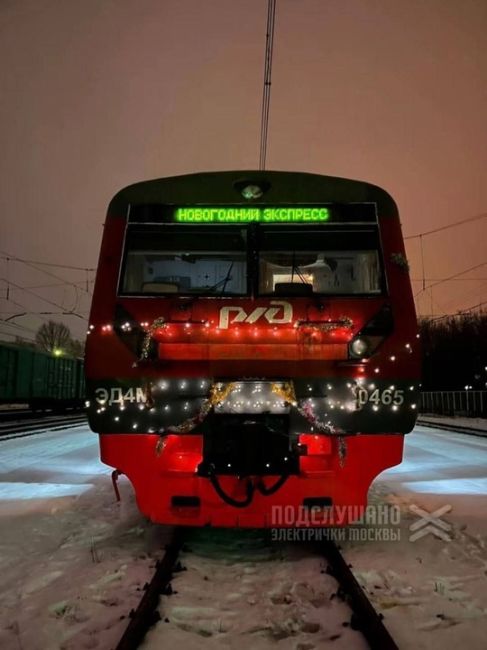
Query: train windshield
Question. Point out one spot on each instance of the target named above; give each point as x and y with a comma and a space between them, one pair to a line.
194, 260
273, 260
296, 261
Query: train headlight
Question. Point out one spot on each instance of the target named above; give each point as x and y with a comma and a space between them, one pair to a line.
359, 348
252, 192
372, 334
252, 188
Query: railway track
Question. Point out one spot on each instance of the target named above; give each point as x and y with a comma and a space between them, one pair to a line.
363, 618
451, 427
146, 614
29, 426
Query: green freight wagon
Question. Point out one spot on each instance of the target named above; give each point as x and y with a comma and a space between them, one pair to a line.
43, 381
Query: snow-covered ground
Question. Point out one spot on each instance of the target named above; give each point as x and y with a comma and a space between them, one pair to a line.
72, 560
240, 590
433, 592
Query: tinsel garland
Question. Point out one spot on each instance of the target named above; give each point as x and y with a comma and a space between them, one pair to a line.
157, 324
288, 394
219, 393
285, 392
401, 261
328, 326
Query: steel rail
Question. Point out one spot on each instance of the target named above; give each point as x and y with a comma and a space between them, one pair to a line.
451, 427
19, 429
146, 614
364, 617
16, 414
7, 415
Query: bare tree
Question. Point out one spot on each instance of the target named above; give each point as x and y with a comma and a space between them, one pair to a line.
454, 352
24, 343
76, 348
53, 336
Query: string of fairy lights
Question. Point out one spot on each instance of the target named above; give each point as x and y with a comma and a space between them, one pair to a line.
184, 414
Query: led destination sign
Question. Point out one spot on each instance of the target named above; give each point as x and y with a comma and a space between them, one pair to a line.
304, 213
239, 214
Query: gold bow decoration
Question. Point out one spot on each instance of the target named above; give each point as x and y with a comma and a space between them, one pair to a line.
219, 393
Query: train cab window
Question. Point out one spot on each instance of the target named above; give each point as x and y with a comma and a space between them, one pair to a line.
185, 260
303, 262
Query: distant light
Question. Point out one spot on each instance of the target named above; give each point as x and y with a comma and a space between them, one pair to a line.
57, 352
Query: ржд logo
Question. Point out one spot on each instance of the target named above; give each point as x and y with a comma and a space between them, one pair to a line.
269, 313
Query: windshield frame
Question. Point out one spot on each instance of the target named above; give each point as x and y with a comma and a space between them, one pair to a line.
371, 229
252, 257
215, 293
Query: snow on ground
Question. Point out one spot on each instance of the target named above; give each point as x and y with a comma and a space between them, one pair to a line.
432, 592
240, 590
72, 560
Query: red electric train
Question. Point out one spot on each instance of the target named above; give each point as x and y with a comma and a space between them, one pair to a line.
252, 346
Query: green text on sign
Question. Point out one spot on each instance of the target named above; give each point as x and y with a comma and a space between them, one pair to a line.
248, 215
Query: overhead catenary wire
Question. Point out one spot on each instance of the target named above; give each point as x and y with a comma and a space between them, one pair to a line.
14, 302
266, 94
26, 312
452, 277
450, 225
16, 326
7, 316
475, 291
15, 314
462, 312
436, 280
425, 288
17, 336
36, 265
58, 284
36, 295
6, 256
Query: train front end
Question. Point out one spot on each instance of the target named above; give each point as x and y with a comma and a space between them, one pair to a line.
252, 357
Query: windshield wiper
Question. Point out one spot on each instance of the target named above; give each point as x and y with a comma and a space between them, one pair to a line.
295, 268
223, 283
228, 277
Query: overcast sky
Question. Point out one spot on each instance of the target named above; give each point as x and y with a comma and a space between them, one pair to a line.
98, 94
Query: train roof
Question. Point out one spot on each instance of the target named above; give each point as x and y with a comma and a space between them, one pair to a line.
225, 187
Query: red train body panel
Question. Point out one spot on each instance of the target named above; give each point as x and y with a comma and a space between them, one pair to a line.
252, 357
157, 479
